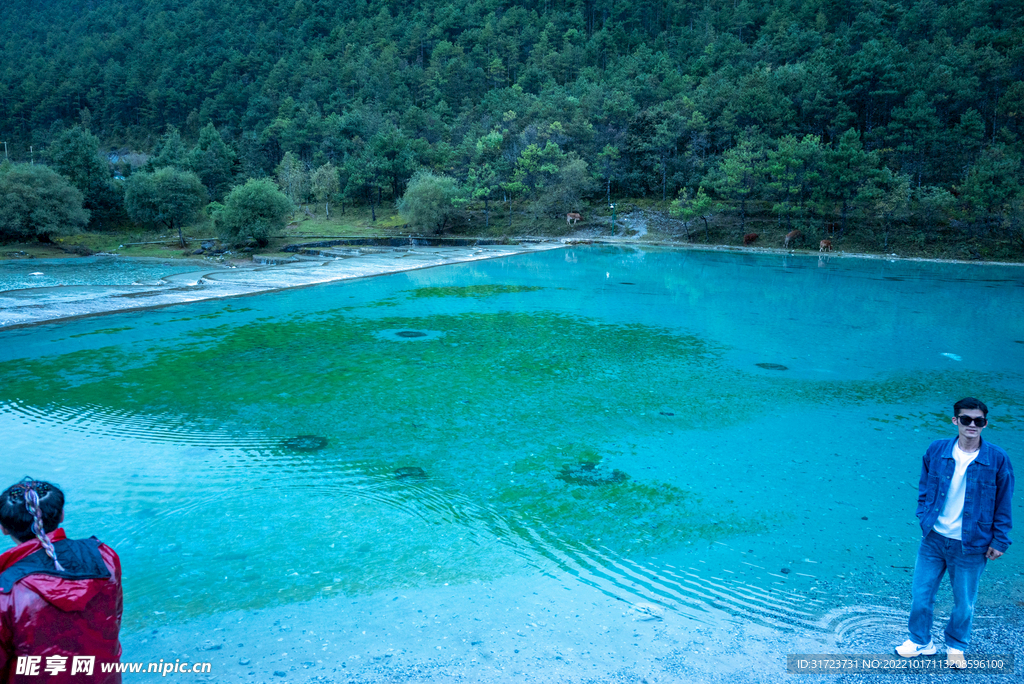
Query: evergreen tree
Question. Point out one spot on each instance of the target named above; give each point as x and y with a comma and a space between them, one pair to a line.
170, 152
690, 207
886, 201
489, 168
75, 155
848, 170
536, 172
792, 171
364, 180
992, 184
740, 174
395, 157
213, 161
916, 132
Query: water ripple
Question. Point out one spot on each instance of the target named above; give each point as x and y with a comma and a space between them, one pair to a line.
646, 586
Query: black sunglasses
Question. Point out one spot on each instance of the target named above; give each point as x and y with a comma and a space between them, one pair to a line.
967, 420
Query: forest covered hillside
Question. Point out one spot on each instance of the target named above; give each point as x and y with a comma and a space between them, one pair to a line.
816, 112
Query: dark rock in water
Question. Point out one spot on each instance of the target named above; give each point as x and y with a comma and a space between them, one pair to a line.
771, 366
410, 471
411, 333
864, 517
784, 571
627, 283
306, 443
244, 661
590, 474
666, 413
280, 673
1019, 341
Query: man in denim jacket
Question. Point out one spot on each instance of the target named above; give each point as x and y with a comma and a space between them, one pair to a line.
963, 504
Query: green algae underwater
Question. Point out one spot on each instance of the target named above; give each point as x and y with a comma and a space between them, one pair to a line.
350, 449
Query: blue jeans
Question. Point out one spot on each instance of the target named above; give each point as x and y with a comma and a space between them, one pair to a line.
937, 555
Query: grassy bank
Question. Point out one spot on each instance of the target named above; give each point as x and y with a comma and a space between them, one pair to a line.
633, 220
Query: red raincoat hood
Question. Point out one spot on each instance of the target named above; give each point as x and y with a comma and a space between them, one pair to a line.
64, 594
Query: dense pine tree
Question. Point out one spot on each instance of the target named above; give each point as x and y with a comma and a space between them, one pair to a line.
807, 111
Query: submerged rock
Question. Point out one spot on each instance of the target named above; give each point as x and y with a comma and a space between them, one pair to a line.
410, 471
590, 474
771, 366
306, 443
648, 611
410, 333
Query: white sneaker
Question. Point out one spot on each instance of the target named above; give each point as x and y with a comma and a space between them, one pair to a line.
955, 658
908, 649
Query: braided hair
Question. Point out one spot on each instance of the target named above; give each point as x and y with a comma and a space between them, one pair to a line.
30, 509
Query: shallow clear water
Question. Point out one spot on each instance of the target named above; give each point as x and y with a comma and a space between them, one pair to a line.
19, 274
593, 416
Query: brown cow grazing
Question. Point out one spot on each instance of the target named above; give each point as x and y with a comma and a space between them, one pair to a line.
749, 237
793, 237
572, 217
825, 246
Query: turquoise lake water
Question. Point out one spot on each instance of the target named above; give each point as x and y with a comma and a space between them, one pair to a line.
723, 439
20, 274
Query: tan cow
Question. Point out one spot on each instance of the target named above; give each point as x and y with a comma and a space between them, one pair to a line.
572, 218
793, 237
825, 246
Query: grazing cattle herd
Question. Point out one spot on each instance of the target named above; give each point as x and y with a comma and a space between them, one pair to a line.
791, 239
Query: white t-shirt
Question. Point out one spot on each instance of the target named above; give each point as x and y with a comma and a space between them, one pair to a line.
951, 519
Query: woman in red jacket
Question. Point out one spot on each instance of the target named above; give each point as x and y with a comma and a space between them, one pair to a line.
60, 598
